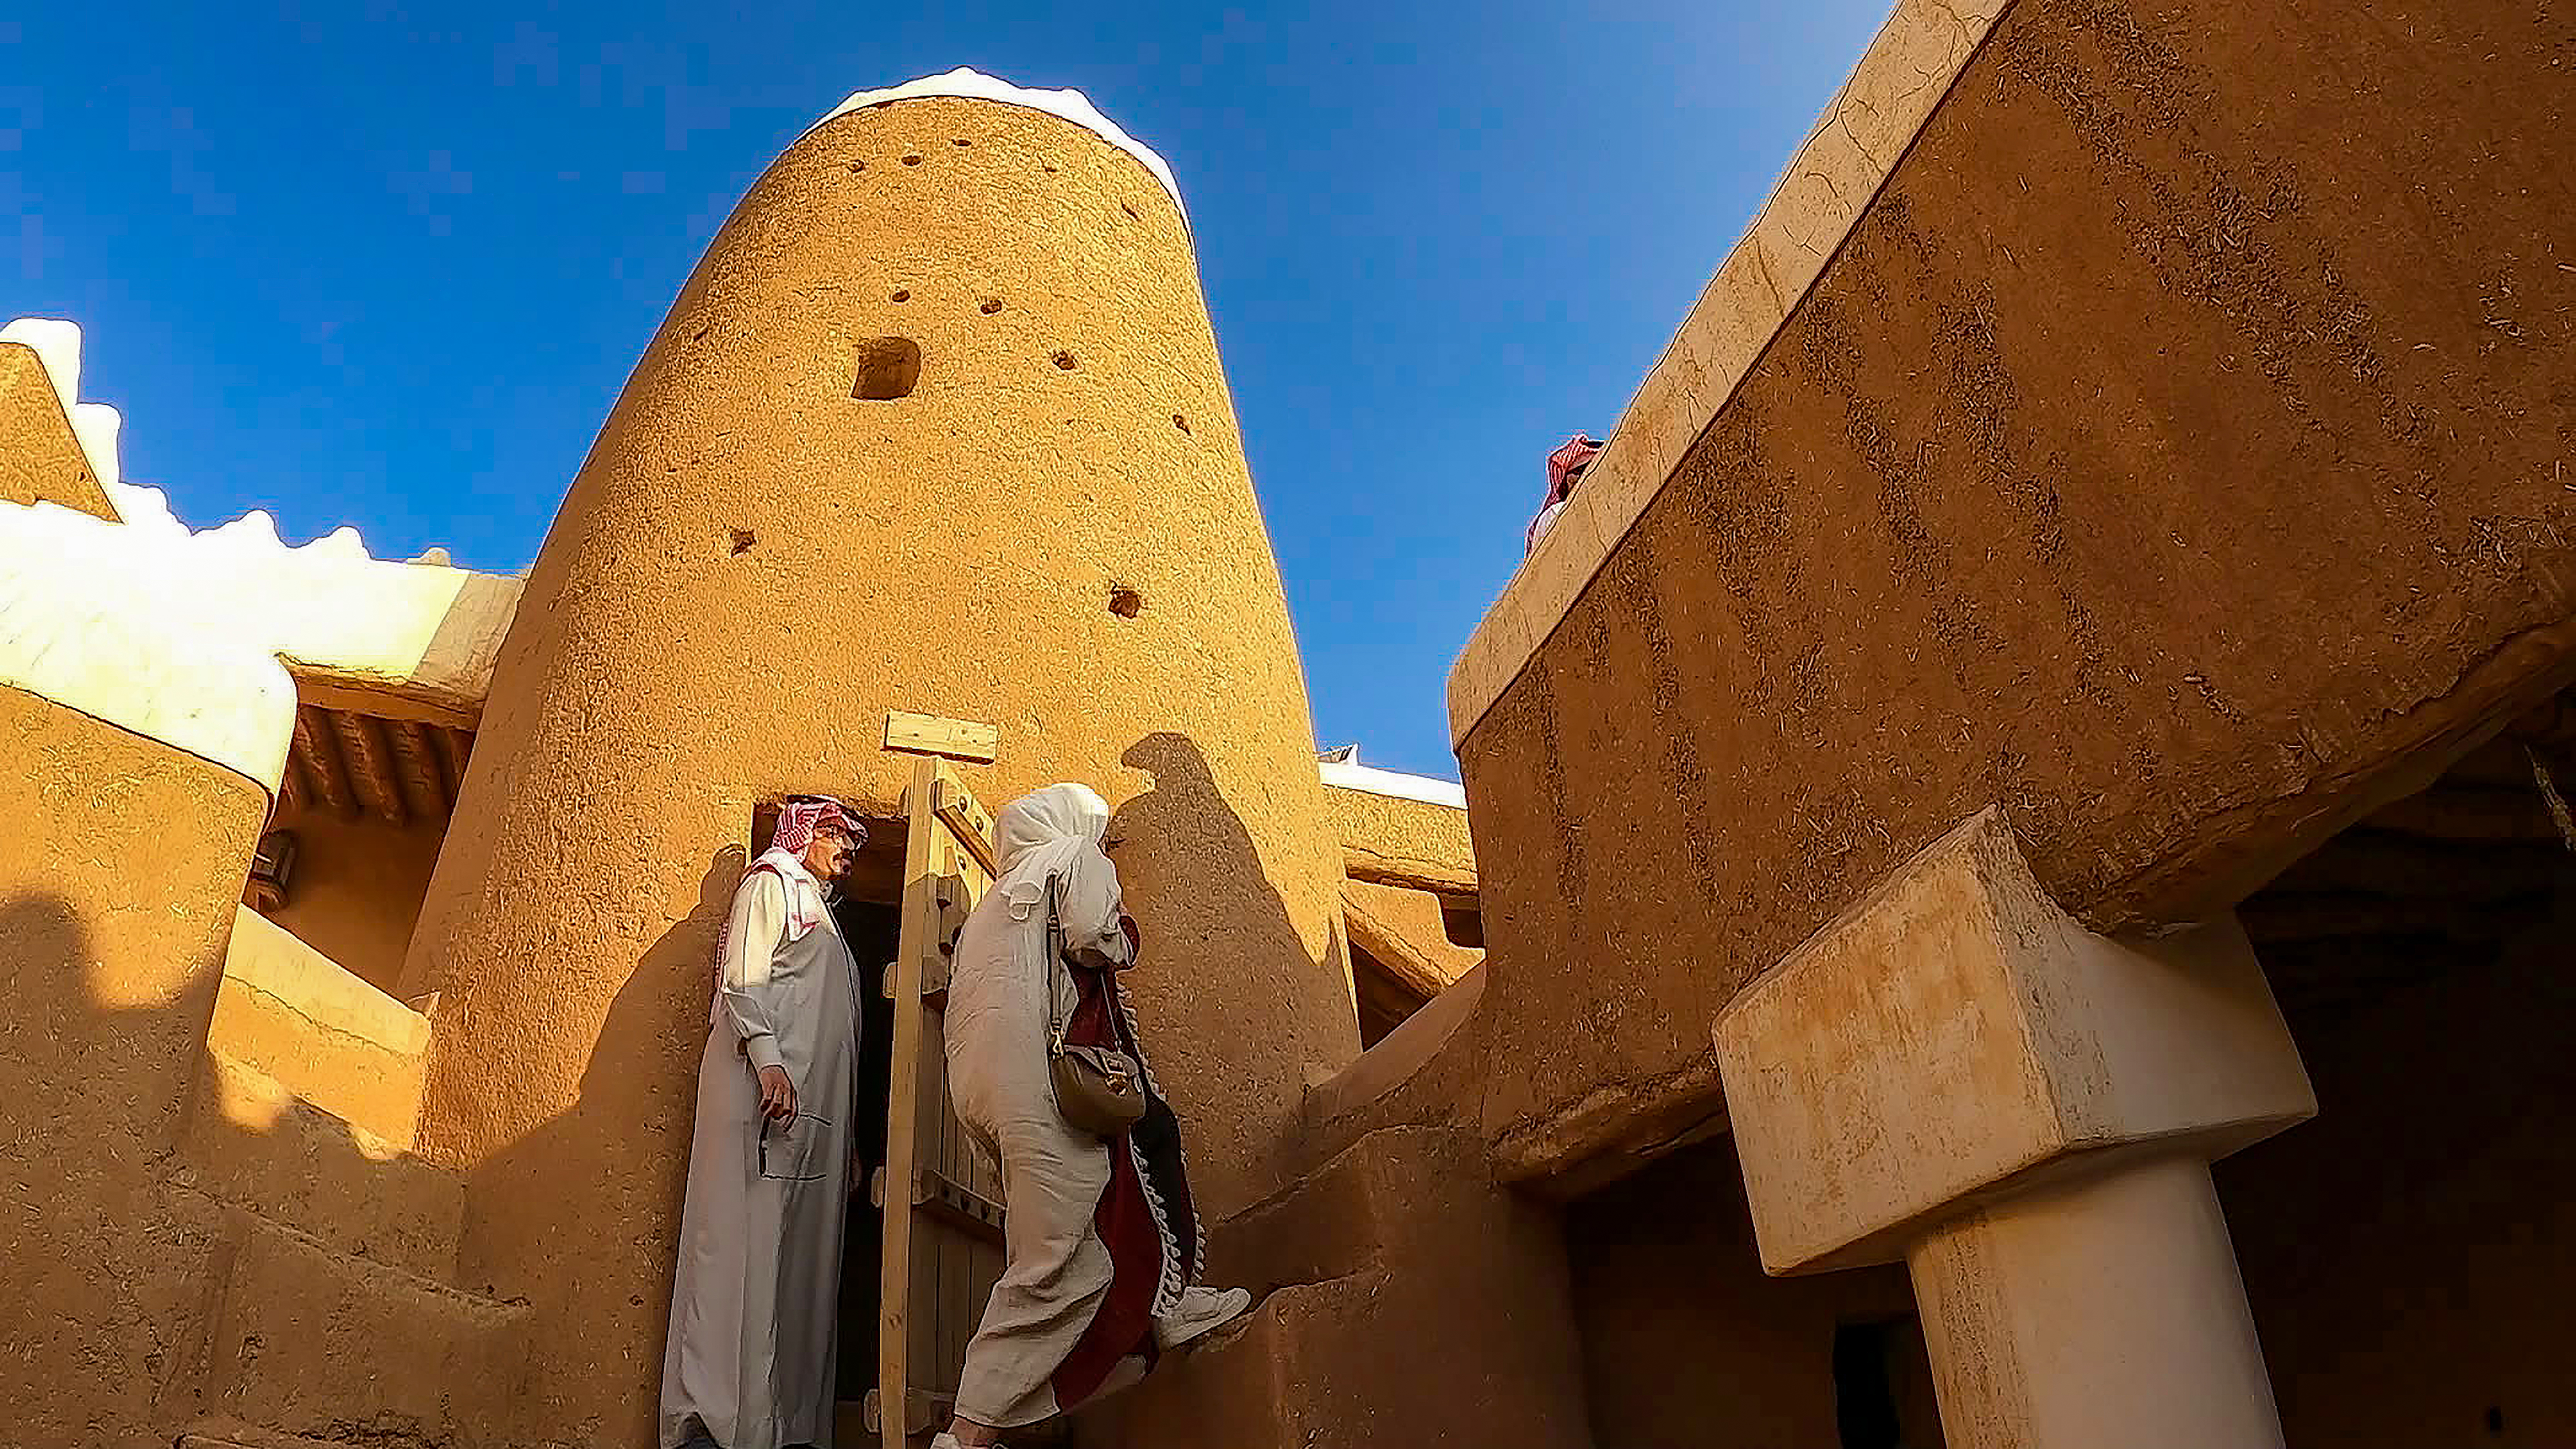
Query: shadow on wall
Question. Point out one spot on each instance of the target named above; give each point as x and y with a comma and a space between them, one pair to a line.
198, 1249
225, 1255
1222, 1022
599, 1189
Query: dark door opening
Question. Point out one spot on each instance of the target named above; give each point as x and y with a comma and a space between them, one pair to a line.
1883, 1386
871, 928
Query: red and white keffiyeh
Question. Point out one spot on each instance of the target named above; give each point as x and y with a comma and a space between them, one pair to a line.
798, 820
1564, 469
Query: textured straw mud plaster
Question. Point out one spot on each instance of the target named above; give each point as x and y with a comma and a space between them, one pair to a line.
754, 566
120, 862
40, 458
1387, 837
2173, 454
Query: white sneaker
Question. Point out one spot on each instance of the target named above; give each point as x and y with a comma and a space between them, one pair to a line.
1200, 1312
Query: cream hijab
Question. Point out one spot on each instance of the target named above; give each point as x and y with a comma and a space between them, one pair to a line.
1057, 832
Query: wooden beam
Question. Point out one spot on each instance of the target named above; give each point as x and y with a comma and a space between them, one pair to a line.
455, 747
332, 690
371, 765
1408, 967
294, 793
948, 739
417, 759
318, 745
1360, 863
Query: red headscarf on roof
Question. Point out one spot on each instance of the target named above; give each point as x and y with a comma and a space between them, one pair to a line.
798, 819
1563, 467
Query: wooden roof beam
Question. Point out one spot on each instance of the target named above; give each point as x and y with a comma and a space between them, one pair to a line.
454, 747
416, 757
317, 745
370, 759
1378, 868
1405, 966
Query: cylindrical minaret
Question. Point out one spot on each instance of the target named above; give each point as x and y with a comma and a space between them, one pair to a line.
937, 425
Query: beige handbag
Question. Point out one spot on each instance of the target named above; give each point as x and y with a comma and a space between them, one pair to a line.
1098, 1089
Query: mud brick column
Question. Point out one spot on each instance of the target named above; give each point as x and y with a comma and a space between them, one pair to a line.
1958, 1074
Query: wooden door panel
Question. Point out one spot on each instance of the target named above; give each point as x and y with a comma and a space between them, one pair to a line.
942, 1202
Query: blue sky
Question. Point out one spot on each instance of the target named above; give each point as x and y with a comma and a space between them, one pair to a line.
361, 262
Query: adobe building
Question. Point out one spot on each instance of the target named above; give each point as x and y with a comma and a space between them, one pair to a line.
2022, 877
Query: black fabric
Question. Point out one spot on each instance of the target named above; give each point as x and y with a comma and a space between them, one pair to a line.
1157, 1137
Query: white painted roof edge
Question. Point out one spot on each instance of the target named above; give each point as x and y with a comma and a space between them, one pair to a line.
966, 83
116, 655
1372, 781
56, 342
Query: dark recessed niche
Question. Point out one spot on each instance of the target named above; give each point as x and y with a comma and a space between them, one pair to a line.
912, 159
1064, 360
1125, 602
888, 369
990, 306
1180, 422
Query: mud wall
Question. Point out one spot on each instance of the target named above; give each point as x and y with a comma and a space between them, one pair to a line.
2173, 452
767, 549
2410, 1254
356, 890
119, 871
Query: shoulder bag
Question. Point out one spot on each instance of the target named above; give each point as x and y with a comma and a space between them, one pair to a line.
1098, 1089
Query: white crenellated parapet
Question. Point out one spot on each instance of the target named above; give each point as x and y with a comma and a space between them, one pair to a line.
124, 655
328, 608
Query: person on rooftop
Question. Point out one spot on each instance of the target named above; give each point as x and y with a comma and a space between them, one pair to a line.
1565, 468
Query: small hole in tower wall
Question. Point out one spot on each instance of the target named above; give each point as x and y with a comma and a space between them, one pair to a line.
742, 542
858, 166
888, 369
990, 306
912, 159
1180, 422
1064, 360
1125, 602
1131, 212
962, 141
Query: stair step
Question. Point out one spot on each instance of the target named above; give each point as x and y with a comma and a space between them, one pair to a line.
316, 1342
331, 1038
250, 1143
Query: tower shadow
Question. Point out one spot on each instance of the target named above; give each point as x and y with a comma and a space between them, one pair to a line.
1240, 1013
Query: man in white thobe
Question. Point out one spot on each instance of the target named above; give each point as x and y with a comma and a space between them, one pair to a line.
755, 1307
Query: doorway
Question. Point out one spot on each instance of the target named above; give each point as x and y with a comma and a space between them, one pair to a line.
868, 913
871, 928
